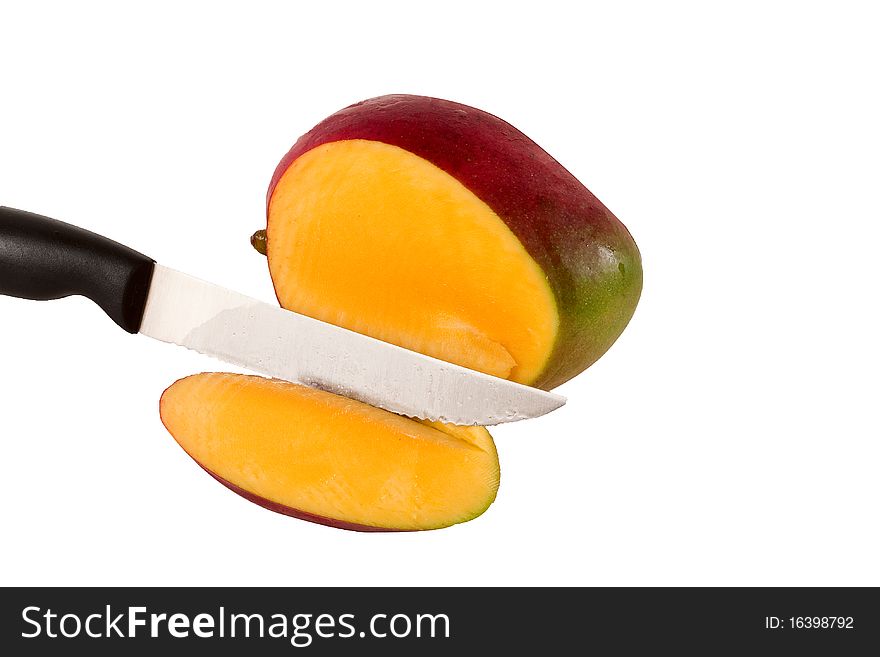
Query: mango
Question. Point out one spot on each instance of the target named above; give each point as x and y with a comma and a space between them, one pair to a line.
443, 229
437, 227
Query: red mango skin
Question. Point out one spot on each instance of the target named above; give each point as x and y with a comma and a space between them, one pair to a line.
296, 513
591, 261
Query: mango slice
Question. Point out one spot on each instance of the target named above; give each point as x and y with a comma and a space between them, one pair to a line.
329, 459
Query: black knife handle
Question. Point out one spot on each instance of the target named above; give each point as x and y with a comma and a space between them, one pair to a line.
41, 258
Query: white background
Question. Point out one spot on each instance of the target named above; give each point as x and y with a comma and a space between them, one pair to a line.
729, 437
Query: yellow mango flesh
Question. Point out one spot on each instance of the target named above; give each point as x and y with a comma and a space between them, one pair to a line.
314, 453
371, 237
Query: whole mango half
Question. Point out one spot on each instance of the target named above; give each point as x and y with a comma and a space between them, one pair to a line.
443, 229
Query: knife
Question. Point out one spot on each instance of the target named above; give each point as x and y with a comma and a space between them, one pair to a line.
41, 259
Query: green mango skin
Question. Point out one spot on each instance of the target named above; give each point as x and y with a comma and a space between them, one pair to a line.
592, 264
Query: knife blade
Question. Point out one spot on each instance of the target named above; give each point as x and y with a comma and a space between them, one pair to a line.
286, 345
41, 258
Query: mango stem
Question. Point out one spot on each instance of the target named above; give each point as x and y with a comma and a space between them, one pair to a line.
258, 241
